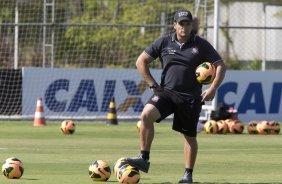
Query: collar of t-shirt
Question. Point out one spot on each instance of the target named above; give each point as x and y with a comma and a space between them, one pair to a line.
192, 38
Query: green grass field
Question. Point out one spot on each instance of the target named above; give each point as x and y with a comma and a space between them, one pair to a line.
51, 157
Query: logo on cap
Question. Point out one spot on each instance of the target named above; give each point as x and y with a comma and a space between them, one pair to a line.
182, 14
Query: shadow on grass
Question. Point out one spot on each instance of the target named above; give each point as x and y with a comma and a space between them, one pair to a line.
215, 183
29, 179
229, 183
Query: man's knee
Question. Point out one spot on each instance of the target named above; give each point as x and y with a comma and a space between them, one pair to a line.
150, 114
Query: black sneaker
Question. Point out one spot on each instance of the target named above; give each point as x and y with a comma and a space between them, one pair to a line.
187, 178
139, 163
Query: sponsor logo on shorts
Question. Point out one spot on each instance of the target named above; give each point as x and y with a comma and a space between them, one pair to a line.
155, 98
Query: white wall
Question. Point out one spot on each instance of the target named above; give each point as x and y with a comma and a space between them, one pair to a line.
249, 43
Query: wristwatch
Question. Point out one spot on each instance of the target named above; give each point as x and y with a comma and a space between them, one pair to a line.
155, 85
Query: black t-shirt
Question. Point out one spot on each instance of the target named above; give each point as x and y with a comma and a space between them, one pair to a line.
180, 62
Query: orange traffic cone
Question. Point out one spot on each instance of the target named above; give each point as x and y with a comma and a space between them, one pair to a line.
39, 119
112, 115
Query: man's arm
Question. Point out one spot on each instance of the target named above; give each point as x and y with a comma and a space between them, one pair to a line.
209, 93
220, 73
142, 65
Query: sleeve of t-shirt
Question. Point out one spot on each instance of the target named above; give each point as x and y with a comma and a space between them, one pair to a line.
211, 54
154, 50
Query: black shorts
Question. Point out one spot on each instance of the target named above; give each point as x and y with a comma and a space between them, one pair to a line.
186, 111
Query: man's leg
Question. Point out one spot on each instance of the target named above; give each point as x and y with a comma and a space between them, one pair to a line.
190, 151
149, 115
190, 155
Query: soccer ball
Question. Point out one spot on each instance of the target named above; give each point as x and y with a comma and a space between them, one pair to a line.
274, 127
205, 73
119, 163
229, 122
263, 128
222, 127
236, 127
13, 168
68, 127
128, 174
211, 127
138, 125
252, 127
99, 171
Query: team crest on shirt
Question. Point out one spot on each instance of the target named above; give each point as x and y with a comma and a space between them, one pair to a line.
155, 98
195, 50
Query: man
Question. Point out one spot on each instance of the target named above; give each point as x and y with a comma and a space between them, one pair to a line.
179, 92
